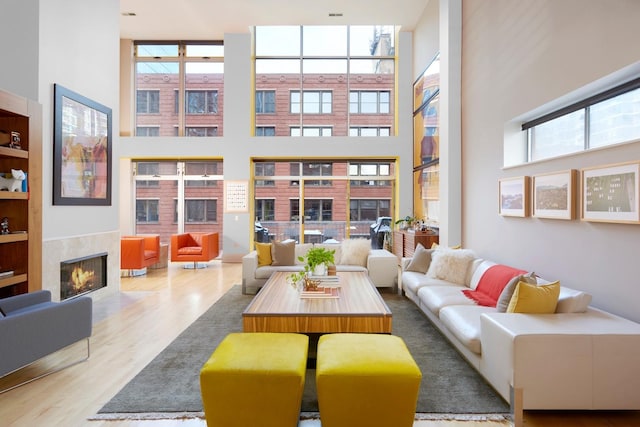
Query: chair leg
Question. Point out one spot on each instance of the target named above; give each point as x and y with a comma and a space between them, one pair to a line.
49, 372
195, 266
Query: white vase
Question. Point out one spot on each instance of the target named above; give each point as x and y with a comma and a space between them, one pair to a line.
320, 270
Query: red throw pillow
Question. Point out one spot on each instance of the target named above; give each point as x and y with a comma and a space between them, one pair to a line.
491, 284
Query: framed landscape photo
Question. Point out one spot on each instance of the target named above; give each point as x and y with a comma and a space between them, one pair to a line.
610, 193
554, 195
81, 150
514, 196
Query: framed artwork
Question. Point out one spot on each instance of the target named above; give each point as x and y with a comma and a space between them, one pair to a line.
554, 195
81, 150
236, 196
514, 196
610, 193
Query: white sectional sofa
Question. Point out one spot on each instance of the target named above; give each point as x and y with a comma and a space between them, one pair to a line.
577, 357
350, 255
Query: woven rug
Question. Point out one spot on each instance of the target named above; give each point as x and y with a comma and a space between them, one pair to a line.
168, 387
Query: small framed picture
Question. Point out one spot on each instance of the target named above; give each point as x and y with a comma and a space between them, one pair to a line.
554, 195
514, 196
610, 193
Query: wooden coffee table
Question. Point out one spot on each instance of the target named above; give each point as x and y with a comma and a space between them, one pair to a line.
278, 307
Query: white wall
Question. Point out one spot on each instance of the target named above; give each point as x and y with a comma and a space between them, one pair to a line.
79, 49
19, 47
517, 56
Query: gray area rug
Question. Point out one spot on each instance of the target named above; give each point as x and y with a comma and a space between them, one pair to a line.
170, 383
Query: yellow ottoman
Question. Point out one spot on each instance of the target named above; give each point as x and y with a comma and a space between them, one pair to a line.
366, 380
255, 379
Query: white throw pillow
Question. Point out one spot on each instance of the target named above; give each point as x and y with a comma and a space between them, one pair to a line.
572, 301
355, 252
450, 264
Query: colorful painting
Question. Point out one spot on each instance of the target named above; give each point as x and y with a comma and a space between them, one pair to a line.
82, 150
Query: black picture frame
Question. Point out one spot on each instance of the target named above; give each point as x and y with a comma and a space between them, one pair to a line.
82, 142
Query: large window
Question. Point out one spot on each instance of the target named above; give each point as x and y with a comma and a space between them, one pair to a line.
346, 74
608, 118
161, 69
316, 200
174, 196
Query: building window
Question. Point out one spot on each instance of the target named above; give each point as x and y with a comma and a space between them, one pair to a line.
313, 102
370, 174
148, 101
195, 67
198, 211
265, 209
147, 131
201, 174
369, 102
265, 131
607, 118
314, 209
146, 211
202, 101
368, 210
201, 131
265, 101
150, 169
264, 169
369, 131
311, 131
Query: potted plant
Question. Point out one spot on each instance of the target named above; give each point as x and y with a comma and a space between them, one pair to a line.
406, 222
316, 261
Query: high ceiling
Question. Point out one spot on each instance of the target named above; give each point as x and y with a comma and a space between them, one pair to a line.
211, 19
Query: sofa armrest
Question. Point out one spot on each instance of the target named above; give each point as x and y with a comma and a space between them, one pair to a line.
7, 305
404, 263
382, 266
49, 327
132, 253
249, 266
210, 246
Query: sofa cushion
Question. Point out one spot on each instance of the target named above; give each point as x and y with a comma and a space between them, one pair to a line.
450, 264
283, 253
264, 253
572, 301
337, 247
266, 271
412, 281
435, 298
421, 259
300, 251
534, 299
491, 284
355, 252
507, 292
463, 321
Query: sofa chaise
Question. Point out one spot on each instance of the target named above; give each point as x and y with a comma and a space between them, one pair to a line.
575, 357
32, 326
351, 255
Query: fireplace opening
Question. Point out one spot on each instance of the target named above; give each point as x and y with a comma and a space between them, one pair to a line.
82, 275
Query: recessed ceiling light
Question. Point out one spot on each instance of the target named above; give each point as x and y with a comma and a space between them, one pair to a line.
335, 14
128, 14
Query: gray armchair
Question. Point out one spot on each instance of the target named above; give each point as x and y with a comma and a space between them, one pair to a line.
32, 326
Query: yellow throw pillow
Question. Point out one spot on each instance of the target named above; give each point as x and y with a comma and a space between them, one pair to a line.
534, 299
264, 253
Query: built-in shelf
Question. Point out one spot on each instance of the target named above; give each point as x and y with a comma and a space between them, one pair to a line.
12, 280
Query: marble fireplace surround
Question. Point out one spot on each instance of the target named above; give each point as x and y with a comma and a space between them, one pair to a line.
55, 251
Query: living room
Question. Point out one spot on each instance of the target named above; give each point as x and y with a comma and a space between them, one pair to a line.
511, 60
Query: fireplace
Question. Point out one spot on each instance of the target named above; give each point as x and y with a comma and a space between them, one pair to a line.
82, 275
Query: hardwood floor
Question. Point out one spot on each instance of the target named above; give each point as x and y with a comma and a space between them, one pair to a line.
131, 328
